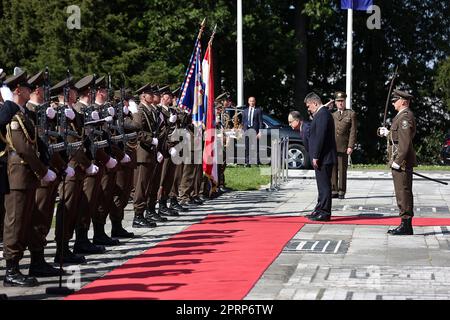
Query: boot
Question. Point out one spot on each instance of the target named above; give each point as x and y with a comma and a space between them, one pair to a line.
14, 278
40, 268
101, 238
405, 228
140, 222
84, 246
166, 211
117, 231
152, 216
68, 256
175, 205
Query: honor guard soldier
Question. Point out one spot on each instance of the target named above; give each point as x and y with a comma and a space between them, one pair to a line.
46, 192
25, 171
345, 132
402, 158
222, 124
146, 154
80, 160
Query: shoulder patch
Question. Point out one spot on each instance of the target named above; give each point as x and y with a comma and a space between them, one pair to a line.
15, 125
405, 124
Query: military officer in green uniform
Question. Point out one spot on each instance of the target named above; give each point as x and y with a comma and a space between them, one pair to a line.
345, 124
402, 158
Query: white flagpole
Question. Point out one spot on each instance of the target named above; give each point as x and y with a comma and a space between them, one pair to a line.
240, 56
349, 58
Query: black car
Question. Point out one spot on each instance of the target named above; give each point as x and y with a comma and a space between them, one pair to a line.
298, 156
445, 153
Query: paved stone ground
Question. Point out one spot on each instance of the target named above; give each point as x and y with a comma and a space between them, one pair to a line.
357, 262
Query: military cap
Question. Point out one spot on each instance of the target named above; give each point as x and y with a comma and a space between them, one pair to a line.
19, 80
58, 88
176, 92
339, 95
399, 94
165, 90
155, 89
85, 83
37, 80
223, 96
101, 83
145, 89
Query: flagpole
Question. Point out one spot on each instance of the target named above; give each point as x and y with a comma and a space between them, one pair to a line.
240, 56
349, 58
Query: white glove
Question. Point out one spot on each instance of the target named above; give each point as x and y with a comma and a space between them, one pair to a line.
126, 159
126, 111
50, 112
173, 152
6, 93
70, 172
395, 166
133, 106
155, 141
111, 111
159, 157
50, 176
109, 119
69, 113
95, 116
173, 118
92, 170
111, 163
383, 132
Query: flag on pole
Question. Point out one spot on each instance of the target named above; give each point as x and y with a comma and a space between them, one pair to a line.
210, 151
362, 5
192, 90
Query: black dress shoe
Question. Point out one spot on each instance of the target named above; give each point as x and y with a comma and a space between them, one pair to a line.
69, 257
165, 211
141, 222
44, 270
404, 229
117, 231
14, 278
178, 207
86, 247
334, 196
197, 200
104, 240
153, 216
341, 196
312, 214
321, 217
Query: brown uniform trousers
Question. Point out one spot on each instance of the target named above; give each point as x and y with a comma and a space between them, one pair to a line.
345, 132
25, 169
190, 172
401, 151
178, 176
80, 161
145, 157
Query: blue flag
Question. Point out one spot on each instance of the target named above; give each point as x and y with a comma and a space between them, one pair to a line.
362, 5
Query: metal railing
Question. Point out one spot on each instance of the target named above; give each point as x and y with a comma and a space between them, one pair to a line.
279, 162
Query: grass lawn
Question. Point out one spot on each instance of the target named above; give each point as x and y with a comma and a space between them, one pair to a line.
385, 167
240, 178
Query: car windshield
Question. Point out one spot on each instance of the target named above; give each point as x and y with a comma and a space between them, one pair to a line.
271, 121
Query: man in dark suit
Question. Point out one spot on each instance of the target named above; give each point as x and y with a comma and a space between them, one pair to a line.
323, 154
252, 123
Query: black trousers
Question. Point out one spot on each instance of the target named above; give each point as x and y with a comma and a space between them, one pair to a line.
323, 179
250, 150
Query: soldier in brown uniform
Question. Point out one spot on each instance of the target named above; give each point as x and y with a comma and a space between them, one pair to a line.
4, 183
345, 132
146, 153
125, 173
47, 191
79, 158
25, 169
91, 184
402, 158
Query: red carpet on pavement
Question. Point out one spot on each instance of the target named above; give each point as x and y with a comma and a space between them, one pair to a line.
220, 258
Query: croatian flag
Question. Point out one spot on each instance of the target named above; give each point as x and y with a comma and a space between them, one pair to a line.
362, 5
192, 90
210, 151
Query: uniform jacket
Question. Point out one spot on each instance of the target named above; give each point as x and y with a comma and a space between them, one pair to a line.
400, 144
345, 127
146, 119
7, 112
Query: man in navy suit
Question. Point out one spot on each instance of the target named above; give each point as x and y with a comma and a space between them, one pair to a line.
323, 154
251, 120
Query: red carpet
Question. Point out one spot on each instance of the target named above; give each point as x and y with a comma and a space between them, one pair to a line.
218, 259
